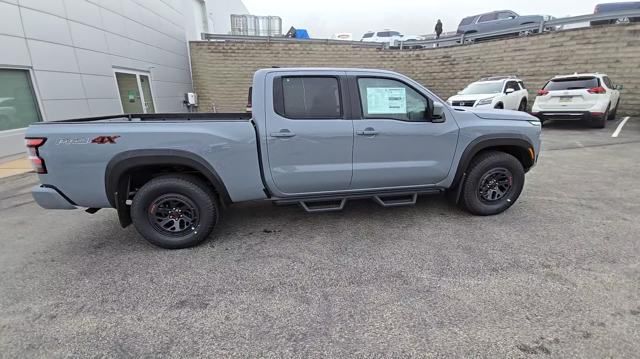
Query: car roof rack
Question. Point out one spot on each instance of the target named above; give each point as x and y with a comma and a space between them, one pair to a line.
501, 77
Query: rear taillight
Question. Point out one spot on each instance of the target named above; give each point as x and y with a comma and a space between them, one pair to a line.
34, 155
597, 90
543, 92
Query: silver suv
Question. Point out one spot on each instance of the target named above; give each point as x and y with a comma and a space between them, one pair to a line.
496, 21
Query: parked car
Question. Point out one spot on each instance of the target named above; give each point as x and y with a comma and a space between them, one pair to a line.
389, 37
346, 36
317, 138
496, 21
501, 92
587, 97
386, 36
614, 7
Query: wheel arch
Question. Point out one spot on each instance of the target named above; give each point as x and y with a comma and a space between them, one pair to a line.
519, 147
148, 164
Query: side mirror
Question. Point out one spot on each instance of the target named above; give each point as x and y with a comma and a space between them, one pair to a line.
619, 87
509, 91
437, 112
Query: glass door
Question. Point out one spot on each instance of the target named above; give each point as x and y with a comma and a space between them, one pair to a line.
147, 98
135, 92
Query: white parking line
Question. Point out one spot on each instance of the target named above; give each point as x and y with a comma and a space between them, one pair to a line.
620, 126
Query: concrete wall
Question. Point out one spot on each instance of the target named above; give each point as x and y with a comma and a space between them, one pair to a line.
71, 48
222, 71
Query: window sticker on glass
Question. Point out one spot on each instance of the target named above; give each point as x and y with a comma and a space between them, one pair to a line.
386, 100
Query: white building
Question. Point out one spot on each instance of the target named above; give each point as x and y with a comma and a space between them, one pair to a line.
75, 58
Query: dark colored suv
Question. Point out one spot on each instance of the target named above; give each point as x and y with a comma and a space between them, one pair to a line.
496, 21
613, 7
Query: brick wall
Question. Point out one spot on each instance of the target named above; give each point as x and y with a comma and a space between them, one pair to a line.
222, 71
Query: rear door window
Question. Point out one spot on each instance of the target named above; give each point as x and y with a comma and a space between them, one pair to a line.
607, 81
488, 17
572, 83
308, 98
506, 15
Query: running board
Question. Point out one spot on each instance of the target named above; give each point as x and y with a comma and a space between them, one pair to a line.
320, 206
338, 202
397, 200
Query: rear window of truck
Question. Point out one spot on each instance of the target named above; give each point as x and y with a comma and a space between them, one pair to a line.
309, 98
572, 83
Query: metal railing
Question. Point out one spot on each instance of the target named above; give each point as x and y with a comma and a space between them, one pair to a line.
218, 37
544, 26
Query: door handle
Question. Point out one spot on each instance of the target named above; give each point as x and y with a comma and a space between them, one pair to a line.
283, 134
367, 132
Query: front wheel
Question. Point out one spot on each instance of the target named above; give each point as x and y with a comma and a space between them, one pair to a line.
175, 211
493, 184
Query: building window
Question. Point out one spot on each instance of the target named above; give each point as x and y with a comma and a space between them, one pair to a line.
18, 105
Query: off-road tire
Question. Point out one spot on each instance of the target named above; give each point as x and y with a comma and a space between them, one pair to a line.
484, 163
193, 191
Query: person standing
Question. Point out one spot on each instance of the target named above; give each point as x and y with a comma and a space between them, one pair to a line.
438, 29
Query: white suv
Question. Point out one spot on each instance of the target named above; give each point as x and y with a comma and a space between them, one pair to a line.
502, 92
590, 97
387, 36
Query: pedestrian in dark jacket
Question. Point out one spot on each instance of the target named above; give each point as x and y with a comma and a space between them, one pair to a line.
438, 29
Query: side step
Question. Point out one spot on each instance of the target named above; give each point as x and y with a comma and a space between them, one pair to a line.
397, 200
338, 202
320, 206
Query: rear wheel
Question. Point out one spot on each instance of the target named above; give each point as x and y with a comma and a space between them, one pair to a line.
614, 113
523, 105
600, 122
494, 183
175, 211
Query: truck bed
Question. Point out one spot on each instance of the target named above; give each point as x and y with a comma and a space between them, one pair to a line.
172, 117
78, 153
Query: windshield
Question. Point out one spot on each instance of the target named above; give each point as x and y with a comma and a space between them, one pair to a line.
368, 35
572, 83
479, 88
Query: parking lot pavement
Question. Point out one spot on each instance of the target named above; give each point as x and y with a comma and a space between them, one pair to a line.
577, 134
557, 274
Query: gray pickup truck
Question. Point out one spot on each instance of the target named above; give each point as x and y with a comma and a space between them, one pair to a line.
316, 137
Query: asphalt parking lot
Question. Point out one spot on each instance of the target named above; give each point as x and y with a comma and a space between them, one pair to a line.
557, 275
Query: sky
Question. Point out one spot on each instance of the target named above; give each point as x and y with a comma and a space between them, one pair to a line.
323, 18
